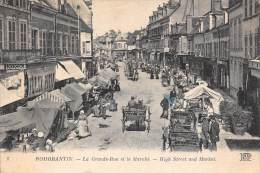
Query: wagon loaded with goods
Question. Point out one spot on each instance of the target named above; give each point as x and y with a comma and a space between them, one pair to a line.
136, 119
131, 71
182, 131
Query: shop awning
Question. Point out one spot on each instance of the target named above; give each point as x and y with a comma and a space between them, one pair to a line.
61, 73
99, 81
87, 87
74, 92
41, 116
78, 88
69, 70
8, 96
44, 114
54, 96
108, 73
16, 120
202, 90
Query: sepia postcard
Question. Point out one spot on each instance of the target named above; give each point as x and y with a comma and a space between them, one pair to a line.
147, 86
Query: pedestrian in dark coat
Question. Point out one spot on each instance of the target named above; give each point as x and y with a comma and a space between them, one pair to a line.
240, 97
205, 132
214, 133
157, 71
152, 73
164, 137
172, 95
165, 105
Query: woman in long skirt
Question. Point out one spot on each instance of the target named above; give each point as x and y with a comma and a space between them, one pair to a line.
83, 128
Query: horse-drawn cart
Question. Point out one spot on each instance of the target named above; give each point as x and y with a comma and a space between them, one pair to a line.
131, 71
137, 118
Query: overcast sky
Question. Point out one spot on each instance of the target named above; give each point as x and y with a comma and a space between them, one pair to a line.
126, 15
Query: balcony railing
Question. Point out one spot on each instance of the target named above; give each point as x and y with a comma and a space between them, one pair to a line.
22, 56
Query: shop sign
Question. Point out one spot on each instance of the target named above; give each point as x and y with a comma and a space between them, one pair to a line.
15, 66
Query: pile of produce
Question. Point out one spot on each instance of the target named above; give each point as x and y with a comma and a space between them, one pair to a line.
227, 108
241, 122
234, 118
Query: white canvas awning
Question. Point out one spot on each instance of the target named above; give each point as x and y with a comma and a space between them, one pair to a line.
86, 86
108, 73
99, 81
54, 96
201, 90
8, 96
61, 73
68, 69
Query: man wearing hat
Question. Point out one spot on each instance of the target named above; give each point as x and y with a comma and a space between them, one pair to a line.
132, 102
41, 141
103, 107
213, 132
165, 106
205, 131
33, 136
140, 104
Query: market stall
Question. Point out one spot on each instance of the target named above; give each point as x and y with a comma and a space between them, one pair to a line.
46, 116
99, 81
109, 74
78, 96
204, 99
15, 121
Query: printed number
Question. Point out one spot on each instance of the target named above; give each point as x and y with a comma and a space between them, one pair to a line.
245, 156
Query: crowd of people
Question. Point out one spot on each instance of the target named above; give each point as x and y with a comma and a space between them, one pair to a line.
206, 125
30, 141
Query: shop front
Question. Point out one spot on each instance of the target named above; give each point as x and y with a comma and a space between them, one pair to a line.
88, 67
222, 74
151, 57
210, 71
